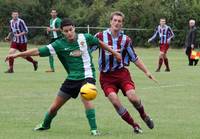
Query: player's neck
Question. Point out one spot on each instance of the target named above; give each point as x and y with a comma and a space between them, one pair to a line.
15, 19
162, 26
73, 39
115, 33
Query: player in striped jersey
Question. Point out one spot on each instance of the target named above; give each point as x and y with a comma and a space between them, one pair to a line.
73, 51
18, 32
165, 34
114, 75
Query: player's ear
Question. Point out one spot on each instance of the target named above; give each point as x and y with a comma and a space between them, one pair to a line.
74, 28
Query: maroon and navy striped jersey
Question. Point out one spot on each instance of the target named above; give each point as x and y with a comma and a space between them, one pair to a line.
165, 34
16, 27
122, 44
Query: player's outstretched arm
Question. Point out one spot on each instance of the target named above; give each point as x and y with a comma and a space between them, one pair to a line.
139, 63
31, 52
106, 47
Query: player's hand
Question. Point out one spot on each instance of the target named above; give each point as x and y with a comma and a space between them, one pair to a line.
7, 38
17, 35
149, 40
118, 57
150, 76
48, 29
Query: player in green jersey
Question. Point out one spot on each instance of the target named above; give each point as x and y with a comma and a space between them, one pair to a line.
73, 50
55, 33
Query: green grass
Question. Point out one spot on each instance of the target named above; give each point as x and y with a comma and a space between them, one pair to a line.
174, 105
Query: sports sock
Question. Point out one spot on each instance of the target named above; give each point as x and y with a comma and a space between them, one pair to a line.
51, 62
11, 62
90, 114
166, 63
126, 116
48, 119
30, 59
160, 62
140, 108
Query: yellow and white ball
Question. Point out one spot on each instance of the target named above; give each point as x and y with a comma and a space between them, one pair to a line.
88, 91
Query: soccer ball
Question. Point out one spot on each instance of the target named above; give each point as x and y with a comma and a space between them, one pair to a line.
88, 91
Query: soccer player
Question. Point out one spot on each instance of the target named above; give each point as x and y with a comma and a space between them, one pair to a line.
165, 34
18, 32
190, 42
114, 75
73, 50
55, 33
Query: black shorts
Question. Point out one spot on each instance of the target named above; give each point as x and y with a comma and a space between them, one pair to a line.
72, 87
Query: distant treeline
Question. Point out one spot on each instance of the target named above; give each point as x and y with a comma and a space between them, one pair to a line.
139, 14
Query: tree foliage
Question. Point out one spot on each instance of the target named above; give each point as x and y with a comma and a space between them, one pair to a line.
143, 14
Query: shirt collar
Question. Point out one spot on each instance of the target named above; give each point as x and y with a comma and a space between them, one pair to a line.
121, 32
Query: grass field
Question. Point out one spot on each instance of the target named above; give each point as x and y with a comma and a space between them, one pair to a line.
174, 104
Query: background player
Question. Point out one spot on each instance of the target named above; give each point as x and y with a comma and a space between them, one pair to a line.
54, 31
165, 34
18, 31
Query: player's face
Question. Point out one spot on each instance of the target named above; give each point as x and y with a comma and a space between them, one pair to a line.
69, 32
53, 14
116, 23
191, 23
15, 15
162, 22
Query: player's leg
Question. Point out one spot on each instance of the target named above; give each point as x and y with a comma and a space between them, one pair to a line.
22, 48
128, 88
90, 110
58, 102
91, 116
135, 100
160, 61
122, 111
51, 63
166, 62
12, 50
109, 84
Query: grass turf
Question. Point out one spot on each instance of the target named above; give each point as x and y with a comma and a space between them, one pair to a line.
173, 104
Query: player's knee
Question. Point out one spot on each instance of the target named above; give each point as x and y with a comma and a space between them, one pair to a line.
88, 104
137, 103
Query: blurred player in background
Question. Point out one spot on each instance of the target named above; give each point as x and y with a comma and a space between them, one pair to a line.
73, 51
114, 75
165, 34
18, 31
54, 32
190, 42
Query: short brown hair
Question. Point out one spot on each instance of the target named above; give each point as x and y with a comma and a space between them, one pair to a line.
118, 13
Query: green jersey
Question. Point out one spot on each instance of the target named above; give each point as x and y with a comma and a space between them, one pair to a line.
74, 56
55, 23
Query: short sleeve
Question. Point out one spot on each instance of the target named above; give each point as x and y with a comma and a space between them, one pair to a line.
47, 50
131, 52
92, 42
58, 23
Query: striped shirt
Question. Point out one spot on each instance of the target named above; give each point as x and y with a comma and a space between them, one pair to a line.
122, 44
16, 27
165, 34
